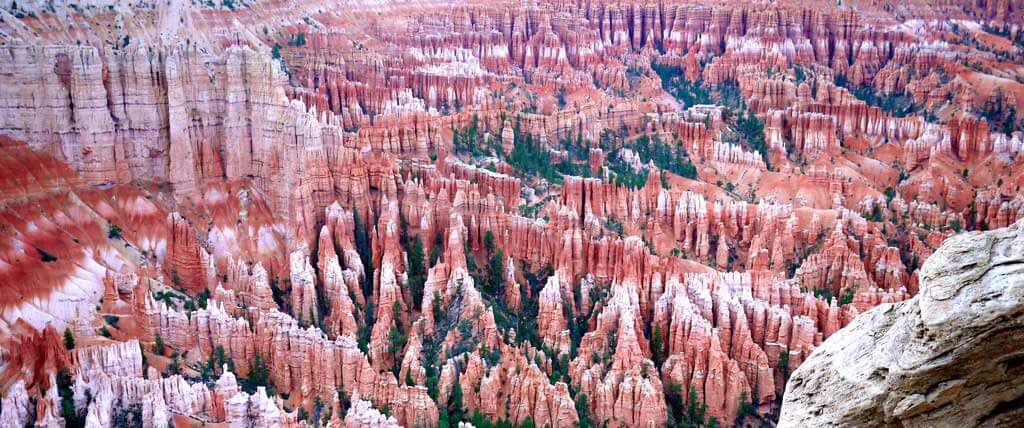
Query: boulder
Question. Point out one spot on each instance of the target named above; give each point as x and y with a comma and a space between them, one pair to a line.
950, 355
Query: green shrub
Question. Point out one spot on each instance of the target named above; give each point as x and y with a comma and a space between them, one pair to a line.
114, 232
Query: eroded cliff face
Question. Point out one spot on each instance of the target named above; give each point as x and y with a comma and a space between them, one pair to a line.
302, 213
950, 353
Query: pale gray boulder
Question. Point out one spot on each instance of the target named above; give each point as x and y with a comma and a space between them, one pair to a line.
952, 356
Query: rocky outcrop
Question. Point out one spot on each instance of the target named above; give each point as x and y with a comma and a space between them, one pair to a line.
551, 322
515, 380
184, 256
304, 295
15, 406
949, 354
301, 360
363, 415
624, 390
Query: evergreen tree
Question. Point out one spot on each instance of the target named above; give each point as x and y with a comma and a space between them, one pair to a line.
437, 249
396, 341
362, 237
496, 269
583, 410
175, 366
432, 386
417, 271
479, 421
695, 410
442, 419
752, 130
657, 347
259, 375
489, 242
746, 408
72, 417
455, 405
343, 401
69, 339
784, 364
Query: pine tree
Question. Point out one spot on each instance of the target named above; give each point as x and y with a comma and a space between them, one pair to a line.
417, 271
657, 346
259, 375
175, 366
362, 237
496, 269
69, 339
583, 410
489, 242
396, 341
442, 419
455, 404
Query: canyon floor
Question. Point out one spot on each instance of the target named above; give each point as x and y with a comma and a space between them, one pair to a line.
286, 213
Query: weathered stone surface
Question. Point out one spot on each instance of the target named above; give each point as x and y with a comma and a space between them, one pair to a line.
948, 354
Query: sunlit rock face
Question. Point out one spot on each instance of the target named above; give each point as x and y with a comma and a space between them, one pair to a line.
266, 213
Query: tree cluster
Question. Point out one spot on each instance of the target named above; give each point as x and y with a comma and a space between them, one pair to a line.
675, 83
669, 157
752, 131
259, 375
529, 157
689, 414
898, 105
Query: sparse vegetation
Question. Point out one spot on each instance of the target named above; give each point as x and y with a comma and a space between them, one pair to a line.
416, 271
668, 157
529, 158
688, 413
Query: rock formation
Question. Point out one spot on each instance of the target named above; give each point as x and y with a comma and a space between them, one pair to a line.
948, 354
335, 213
